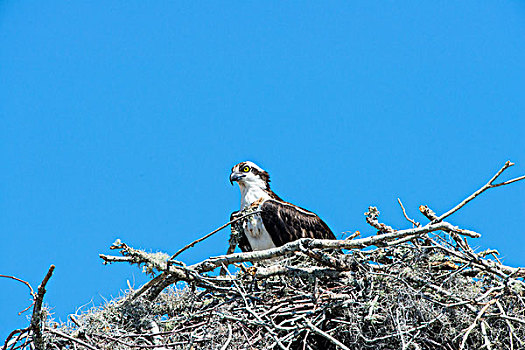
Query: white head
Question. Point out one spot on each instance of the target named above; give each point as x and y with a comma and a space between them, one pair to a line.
253, 181
249, 174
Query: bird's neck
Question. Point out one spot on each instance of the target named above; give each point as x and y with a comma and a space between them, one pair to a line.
250, 194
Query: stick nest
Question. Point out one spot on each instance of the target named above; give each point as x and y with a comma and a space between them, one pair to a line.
418, 294
417, 288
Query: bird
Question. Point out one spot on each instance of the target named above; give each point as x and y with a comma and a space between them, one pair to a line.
277, 221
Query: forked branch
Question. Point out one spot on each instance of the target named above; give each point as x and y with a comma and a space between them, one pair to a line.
488, 185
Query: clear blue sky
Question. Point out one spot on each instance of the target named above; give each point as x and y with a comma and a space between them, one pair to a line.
123, 119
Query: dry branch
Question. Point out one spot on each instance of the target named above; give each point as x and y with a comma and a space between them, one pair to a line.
36, 319
34, 330
211, 234
481, 190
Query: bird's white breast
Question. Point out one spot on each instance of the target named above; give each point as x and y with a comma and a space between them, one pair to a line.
253, 226
256, 233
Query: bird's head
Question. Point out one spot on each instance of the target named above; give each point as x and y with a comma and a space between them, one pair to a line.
249, 174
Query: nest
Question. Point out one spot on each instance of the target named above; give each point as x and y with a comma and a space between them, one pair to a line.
408, 295
418, 288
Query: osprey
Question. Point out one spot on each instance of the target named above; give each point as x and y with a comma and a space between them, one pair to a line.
278, 222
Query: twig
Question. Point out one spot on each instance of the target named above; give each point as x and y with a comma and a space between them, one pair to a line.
515, 319
228, 341
211, 233
487, 343
372, 219
12, 334
473, 325
429, 213
400, 331
509, 325
325, 259
324, 334
397, 333
68, 337
353, 235
509, 181
31, 291
72, 318
481, 190
111, 258
416, 224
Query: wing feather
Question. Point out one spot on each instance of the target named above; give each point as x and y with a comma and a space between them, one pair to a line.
286, 223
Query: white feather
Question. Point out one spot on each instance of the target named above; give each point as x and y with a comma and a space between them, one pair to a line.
250, 194
257, 234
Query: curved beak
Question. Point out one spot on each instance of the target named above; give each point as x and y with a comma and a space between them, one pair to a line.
235, 177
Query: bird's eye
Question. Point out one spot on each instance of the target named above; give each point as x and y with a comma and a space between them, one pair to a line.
245, 169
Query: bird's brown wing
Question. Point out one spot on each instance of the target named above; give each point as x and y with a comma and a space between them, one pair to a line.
286, 223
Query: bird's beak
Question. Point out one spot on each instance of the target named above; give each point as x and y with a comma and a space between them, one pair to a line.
235, 177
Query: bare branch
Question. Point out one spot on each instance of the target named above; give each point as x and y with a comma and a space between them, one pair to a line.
36, 319
481, 190
228, 341
31, 291
473, 325
416, 224
508, 182
12, 334
212, 233
354, 235
214, 262
75, 340
325, 335
429, 213
372, 219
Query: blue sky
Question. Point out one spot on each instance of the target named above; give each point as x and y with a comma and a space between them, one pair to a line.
123, 119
